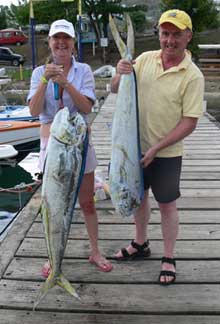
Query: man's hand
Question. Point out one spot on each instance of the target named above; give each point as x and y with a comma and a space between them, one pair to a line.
124, 67
148, 156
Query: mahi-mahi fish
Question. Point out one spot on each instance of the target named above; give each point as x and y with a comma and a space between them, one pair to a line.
62, 175
125, 176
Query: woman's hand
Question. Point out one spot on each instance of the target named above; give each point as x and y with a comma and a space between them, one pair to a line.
53, 70
60, 79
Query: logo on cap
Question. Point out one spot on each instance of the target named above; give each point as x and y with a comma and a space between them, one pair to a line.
61, 26
172, 14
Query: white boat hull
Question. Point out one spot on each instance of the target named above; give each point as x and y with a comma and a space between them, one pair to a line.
18, 132
7, 151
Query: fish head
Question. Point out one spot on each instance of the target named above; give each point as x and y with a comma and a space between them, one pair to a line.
68, 129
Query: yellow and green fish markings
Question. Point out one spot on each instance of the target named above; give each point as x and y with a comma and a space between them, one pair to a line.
59, 191
125, 177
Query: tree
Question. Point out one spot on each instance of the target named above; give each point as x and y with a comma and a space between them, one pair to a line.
139, 20
3, 13
44, 12
203, 13
99, 10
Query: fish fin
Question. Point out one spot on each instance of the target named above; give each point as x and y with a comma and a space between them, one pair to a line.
45, 220
39, 212
66, 285
130, 35
117, 38
50, 283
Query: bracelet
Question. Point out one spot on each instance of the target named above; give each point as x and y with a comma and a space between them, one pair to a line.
44, 80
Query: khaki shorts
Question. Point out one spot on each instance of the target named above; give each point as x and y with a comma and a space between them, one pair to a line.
91, 161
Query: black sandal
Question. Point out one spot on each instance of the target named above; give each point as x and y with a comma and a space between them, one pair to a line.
167, 272
143, 252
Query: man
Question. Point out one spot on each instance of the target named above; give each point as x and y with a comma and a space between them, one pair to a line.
170, 95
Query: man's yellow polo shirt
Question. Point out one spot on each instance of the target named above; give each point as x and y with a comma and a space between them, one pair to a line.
165, 97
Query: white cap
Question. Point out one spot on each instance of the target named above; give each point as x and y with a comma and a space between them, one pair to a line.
62, 26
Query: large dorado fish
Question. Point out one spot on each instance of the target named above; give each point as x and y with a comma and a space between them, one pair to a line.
125, 177
62, 175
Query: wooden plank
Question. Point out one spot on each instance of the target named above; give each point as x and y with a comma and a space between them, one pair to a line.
182, 203
200, 175
195, 176
209, 60
212, 78
190, 249
200, 140
204, 131
104, 166
200, 192
26, 317
188, 217
188, 155
200, 184
103, 151
113, 232
204, 135
193, 271
200, 162
99, 298
197, 150
203, 145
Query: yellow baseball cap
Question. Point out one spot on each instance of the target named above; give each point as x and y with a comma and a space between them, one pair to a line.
176, 17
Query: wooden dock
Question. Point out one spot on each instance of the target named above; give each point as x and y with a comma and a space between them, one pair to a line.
130, 293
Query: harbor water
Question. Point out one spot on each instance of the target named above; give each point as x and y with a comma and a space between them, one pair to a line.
17, 185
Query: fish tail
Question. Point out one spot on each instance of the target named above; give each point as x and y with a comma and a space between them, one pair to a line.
50, 283
66, 285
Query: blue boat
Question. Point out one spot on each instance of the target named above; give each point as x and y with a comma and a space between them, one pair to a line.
16, 112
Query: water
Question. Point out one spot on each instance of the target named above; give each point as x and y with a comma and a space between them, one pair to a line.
17, 185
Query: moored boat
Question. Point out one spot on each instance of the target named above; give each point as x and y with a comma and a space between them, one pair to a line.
23, 135
15, 113
7, 151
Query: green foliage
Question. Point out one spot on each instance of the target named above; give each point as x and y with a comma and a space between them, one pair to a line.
44, 12
99, 10
20, 14
15, 75
48, 11
3, 13
203, 13
139, 20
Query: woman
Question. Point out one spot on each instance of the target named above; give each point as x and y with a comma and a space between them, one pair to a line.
76, 91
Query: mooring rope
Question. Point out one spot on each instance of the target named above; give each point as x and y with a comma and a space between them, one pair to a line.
22, 187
